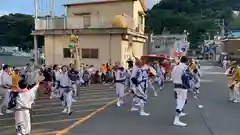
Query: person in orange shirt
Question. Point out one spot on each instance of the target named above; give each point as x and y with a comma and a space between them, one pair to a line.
104, 71
15, 79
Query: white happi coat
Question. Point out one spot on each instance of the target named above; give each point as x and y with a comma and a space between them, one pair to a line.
22, 114
120, 82
67, 95
5, 84
137, 89
144, 82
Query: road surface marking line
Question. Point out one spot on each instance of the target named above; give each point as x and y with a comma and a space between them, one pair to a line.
81, 120
97, 93
49, 114
88, 93
45, 122
44, 109
77, 98
45, 133
83, 94
77, 101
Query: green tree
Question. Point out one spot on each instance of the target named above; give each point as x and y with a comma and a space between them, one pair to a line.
198, 17
15, 30
235, 24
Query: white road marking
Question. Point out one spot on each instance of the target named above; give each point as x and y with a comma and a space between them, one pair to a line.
212, 73
203, 80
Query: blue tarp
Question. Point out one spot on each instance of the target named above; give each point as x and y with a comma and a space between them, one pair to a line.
234, 33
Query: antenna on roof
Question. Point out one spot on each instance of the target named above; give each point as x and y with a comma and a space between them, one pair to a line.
43, 8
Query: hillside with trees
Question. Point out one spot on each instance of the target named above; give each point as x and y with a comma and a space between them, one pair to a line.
198, 17
15, 30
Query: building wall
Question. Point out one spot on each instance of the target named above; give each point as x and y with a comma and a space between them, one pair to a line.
126, 52
231, 46
137, 48
162, 44
137, 6
108, 47
102, 13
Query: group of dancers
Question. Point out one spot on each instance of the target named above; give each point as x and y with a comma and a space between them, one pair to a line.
18, 95
141, 77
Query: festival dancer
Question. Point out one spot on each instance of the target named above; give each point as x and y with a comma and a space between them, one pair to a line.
24, 102
236, 83
66, 90
129, 73
139, 95
55, 82
181, 85
145, 80
120, 78
160, 75
197, 76
230, 72
6, 85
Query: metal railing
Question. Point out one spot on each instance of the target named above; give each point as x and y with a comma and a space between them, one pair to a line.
79, 22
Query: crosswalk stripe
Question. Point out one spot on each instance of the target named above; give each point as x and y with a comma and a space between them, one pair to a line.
77, 98
91, 104
50, 114
46, 122
78, 101
86, 94
46, 111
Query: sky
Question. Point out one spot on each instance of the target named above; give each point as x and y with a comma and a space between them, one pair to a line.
27, 6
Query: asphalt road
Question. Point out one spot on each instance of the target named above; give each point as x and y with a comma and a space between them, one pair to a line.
95, 113
47, 116
218, 116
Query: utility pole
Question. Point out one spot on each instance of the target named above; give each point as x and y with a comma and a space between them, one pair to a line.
51, 8
221, 24
35, 37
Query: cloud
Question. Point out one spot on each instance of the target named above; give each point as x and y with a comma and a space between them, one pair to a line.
3, 13
151, 3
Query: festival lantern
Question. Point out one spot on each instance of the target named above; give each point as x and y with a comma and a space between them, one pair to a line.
73, 49
73, 38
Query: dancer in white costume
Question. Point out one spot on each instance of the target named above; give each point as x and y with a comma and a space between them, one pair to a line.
160, 76
55, 85
24, 103
145, 80
5, 86
139, 95
66, 91
180, 90
120, 78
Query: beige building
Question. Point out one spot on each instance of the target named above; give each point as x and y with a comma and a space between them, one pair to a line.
109, 31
